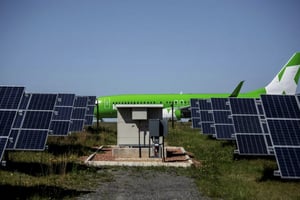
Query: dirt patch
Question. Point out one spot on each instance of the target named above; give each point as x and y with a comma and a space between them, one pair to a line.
137, 183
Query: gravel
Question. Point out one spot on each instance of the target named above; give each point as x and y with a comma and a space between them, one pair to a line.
145, 184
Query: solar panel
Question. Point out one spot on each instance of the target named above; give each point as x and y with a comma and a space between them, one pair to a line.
196, 123
61, 120
32, 124
283, 121
89, 116
280, 106
220, 104
208, 128
194, 103
250, 134
78, 114
10, 98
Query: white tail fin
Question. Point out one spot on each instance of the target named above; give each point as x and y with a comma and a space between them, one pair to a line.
286, 81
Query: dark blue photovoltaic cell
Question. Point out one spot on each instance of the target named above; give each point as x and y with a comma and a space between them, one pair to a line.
42, 101
62, 113
90, 110
204, 104
285, 132
6, 122
288, 159
195, 112
76, 125
196, 123
222, 117
194, 103
251, 144
224, 131
243, 106
91, 100
24, 101
81, 101
206, 116
89, 120
220, 104
247, 124
3, 142
18, 119
280, 106
31, 140
78, 113
65, 100
207, 128
37, 120
11, 143
60, 127
10, 97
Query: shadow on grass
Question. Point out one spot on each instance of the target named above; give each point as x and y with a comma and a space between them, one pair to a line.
38, 192
60, 149
39, 169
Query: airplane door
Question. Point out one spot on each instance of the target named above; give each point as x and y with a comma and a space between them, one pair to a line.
107, 103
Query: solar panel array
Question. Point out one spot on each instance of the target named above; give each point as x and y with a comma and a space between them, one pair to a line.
269, 125
27, 119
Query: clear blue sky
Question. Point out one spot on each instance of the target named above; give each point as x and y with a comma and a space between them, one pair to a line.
106, 47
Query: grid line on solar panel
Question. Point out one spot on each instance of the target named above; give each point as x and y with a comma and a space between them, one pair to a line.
76, 125
243, 106
10, 97
42, 102
31, 140
285, 132
195, 113
6, 122
206, 116
224, 131
81, 101
247, 124
220, 104
3, 143
204, 104
194, 103
208, 128
60, 127
65, 100
222, 117
280, 106
251, 144
288, 161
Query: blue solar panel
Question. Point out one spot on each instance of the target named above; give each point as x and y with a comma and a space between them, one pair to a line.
37, 120
288, 160
207, 128
206, 116
285, 132
3, 142
62, 113
280, 106
196, 123
6, 122
77, 125
283, 120
42, 102
31, 140
247, 124
81, 101
60, 127
224, 131
194, 103
251, 144
205, 104
222, 117
220, 104
78, 113
243, 106
195, 113
10, 97
65, 100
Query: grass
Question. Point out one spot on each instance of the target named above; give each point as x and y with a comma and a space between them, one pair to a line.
59, 172
223, 175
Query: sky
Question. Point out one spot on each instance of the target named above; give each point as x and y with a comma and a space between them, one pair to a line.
107, 47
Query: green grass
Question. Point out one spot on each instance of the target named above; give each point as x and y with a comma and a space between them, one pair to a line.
59, 172
223, 175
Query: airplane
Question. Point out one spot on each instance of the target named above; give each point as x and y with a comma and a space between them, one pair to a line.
176, 105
